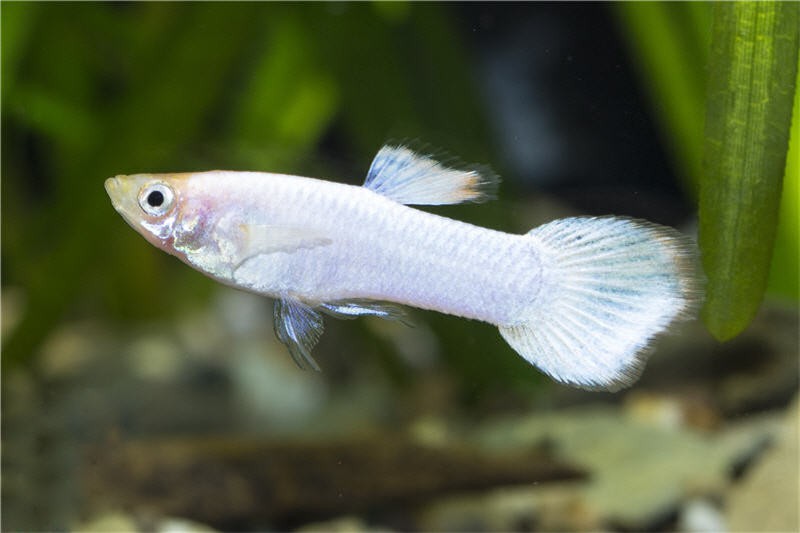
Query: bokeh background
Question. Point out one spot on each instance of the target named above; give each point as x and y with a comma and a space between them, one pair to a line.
136, 391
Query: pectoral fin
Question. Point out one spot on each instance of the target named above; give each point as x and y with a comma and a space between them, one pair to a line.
256, 239
299, 327
263, 239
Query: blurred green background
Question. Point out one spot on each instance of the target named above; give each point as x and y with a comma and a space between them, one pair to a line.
608, 118
595, 108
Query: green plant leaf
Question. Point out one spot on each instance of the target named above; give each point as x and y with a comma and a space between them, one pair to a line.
752, 72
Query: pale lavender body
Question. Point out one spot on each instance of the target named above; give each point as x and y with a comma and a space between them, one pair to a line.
378, 249
580, 297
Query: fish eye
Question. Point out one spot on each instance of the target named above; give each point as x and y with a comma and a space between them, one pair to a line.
156, 199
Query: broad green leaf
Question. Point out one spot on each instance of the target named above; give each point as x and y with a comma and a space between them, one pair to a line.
752, 72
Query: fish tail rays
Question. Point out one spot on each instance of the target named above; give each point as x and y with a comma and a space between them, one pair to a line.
610, 286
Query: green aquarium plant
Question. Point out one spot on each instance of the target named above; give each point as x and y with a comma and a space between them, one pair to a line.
752, 75
722, 78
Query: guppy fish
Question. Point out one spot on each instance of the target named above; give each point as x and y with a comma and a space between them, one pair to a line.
581, 298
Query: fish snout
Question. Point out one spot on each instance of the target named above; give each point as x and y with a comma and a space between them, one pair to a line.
112, 186
118, 189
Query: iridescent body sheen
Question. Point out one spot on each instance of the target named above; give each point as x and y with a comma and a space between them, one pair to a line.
580, 297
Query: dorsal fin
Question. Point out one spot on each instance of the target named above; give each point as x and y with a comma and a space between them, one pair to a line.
409, 178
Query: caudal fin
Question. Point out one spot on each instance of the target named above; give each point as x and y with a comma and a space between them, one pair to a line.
610, 285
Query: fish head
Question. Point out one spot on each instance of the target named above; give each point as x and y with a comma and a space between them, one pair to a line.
149, 203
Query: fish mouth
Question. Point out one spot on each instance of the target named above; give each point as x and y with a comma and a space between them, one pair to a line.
112, 186
117, 190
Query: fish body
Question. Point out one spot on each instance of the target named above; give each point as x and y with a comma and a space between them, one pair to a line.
581, 298
332, 241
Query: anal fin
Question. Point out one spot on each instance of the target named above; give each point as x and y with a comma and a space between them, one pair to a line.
348, 309
299, 326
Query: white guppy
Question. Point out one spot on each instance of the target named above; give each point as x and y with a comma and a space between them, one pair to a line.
581, 298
